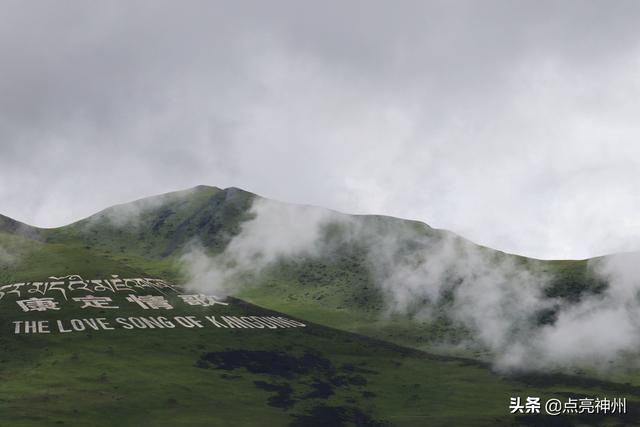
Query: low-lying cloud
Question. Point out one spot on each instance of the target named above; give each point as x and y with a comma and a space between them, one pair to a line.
277, 230
423, 273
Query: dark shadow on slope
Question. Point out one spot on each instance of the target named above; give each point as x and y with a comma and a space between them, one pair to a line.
528, 378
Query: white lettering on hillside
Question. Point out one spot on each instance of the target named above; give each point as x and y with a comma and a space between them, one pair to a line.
25, 327
61, 286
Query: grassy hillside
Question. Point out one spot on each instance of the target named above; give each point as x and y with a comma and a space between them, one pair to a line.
289, 376
354, 364
334, 287
157, 227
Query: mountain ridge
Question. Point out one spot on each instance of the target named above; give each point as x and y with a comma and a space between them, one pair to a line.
382, 278
13, 226
155, 232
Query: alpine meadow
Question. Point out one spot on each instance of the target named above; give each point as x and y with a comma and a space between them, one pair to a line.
219, 307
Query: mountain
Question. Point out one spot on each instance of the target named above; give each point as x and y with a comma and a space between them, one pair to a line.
316, 331
158, 226
334, 287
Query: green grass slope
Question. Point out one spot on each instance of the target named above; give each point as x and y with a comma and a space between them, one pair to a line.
156, 227
210, 375
335, 287
349, 366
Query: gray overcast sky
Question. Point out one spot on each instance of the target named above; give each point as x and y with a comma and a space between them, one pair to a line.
515, 124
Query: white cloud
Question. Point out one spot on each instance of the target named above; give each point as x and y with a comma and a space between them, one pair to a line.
512, 125
497, 299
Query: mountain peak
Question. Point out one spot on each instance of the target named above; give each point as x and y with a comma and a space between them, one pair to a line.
158, 225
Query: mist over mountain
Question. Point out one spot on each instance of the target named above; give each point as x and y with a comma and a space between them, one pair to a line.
394, 279
366, 281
